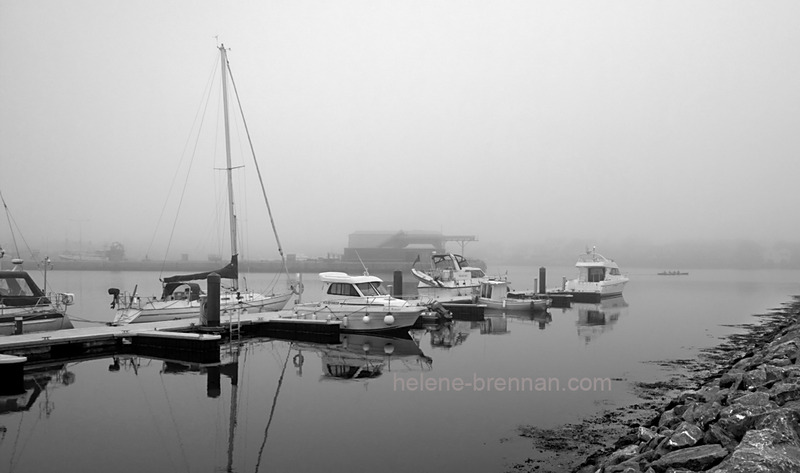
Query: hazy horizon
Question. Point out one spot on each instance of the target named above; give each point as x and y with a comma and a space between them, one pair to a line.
516, 122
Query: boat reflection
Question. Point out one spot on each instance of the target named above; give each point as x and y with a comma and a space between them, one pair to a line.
540, 318
36, 383
594, 319
494, 322
358, 356
446, 335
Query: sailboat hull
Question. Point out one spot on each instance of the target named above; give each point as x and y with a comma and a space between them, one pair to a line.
33, 321
157, 310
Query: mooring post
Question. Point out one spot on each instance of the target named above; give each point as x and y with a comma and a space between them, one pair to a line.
213, 385
398, 283
212, 301
542, 280
17, 325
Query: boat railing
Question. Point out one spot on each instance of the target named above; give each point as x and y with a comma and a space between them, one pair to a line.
54, 300
592, 258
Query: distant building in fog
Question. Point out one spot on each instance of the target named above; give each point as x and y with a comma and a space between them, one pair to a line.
398, 246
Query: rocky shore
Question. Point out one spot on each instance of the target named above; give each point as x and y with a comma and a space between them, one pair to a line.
737, 410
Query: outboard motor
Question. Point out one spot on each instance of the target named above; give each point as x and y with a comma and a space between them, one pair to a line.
114, 292
439, 309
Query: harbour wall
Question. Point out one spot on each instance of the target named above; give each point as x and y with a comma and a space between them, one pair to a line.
742, 417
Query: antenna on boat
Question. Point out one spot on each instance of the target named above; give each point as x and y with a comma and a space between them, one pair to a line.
366, 272
46, 263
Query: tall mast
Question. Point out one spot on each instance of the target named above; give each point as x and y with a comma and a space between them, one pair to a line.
224, 69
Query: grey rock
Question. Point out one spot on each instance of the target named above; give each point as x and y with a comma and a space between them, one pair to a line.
752, 399
623, 454
786, 391
775, 372
785, 349
737, 419
755, 378
668, 419
716, 434
702, 414
744, 364
781, 362
645, 435
731, 380
686, 435
762, 451
627, 467
712, 393
693, 458
783, 423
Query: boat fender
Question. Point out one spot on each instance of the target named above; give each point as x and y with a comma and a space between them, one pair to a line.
366, 319
388, 348
389, 319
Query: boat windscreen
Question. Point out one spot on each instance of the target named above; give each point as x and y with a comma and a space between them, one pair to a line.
371, 289
17, 286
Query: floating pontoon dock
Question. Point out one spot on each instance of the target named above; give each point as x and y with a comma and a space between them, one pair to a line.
185, 338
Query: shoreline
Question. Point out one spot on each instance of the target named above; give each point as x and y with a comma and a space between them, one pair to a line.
733, 408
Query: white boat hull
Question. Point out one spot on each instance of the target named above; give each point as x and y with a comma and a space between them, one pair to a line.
361, 318
515, 304
157, 310
459, 294
594, 291
43, 320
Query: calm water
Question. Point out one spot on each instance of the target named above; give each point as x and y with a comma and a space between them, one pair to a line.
138, 414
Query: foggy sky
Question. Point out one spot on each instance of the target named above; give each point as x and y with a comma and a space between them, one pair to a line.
513, 121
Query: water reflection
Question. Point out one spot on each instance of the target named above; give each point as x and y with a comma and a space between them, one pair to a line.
540, 318
360, 356
493, 323
595, 319
447, 335
36, 384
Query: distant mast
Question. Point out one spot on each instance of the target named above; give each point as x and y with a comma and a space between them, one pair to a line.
224, 68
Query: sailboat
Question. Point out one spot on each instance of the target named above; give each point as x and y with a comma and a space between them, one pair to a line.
24, 307
181, 297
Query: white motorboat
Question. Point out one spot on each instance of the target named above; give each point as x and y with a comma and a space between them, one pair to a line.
449, 279
180, 297
497, 294
361, 304
598, 278
25, 308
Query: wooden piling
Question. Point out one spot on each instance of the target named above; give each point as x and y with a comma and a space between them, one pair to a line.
212, 301
398, 284
542, 280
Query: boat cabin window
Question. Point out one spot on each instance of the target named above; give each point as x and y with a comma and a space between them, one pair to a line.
477, 273
342, 289
597, 274
614, 271
372, 289
15, 287
486, 291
